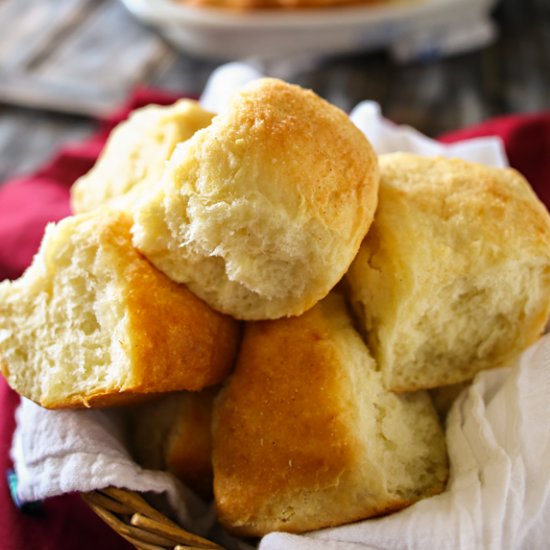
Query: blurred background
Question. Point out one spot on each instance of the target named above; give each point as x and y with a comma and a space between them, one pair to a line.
437, 65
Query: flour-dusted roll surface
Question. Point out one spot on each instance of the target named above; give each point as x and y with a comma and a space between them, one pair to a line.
136, 153
305, 436
92, 322
262, 212
454, 275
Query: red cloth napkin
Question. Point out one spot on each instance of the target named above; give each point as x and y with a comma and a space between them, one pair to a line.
527, 142
28, 203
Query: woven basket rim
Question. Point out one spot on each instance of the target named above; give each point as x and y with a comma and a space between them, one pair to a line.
135, 520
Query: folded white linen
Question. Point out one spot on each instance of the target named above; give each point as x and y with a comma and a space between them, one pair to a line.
56, 452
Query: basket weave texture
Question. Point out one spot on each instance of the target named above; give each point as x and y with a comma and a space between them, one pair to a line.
140, 524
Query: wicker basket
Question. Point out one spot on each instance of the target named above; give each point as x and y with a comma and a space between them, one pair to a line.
140, 524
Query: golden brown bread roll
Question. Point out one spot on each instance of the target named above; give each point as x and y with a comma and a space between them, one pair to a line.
306, 437
173, 433
92, 322
454, 275
262, 212
135, 154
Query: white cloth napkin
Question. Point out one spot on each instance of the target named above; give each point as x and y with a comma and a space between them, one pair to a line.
498, 435
56, 452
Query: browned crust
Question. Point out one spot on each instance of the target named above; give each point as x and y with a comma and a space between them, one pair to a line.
176, 341
188, 451
285, 371
297, 128
101, 399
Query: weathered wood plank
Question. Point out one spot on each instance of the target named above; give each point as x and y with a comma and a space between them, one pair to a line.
524, 55
29, 28
29, 138
59, 96
182, 74
84, 58
110, 49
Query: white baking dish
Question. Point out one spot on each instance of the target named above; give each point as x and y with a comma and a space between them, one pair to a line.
410, 28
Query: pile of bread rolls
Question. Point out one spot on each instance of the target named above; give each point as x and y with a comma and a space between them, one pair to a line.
282, 298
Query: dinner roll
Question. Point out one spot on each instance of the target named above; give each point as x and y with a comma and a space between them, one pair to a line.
173, 433
305, 436
92, 322
135, 154
454, 275
262, 212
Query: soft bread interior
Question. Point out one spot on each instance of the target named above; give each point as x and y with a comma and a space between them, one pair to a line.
454, 275
135, 154
67, 311
306, 437
403, 445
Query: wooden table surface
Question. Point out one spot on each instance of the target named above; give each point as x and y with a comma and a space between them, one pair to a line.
64, 61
